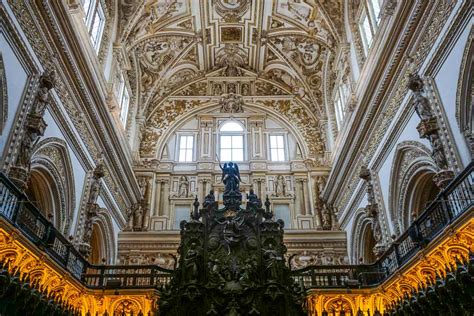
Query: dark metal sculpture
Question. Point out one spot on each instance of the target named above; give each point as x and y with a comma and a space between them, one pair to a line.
232, 260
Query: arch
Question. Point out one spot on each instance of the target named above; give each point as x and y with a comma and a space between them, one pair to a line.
43, 191
465, 92
3, 96
362, 241
51, 169
412, 168
102, 238
272, 113
231, 126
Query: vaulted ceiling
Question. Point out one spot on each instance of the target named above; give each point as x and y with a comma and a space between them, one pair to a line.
185, 53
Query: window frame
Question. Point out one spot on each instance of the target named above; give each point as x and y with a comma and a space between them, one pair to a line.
284, 148
120, 91
186, 149
241, 134
95, 9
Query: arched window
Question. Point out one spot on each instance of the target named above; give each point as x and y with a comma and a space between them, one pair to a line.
231, 141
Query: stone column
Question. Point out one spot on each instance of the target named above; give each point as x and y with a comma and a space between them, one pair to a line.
33, 128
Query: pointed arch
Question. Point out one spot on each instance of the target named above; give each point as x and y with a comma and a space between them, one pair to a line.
410, 178
3, 96
52, 172
362, 240
465, 93
103, 238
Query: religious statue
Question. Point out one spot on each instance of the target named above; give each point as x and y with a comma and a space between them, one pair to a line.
438, 151
253, 200
326, 218
272, 262
183, 186
245, 89
422, 106
138, 217
47, 81
230, 176
129, 215
190, 262
209, 200
95, 185
215, 276
280, 186
217, 89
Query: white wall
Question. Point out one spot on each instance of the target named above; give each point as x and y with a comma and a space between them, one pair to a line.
17, 77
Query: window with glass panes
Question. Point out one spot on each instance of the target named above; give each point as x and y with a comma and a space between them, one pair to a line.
231, 142
94, 17
277, 148
186, 144
369, 21
123, 97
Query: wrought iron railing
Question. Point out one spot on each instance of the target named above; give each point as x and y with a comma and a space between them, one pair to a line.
16, 209
456, 199
451, 203
126, 276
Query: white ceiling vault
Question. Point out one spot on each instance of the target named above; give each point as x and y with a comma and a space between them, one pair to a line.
186, 53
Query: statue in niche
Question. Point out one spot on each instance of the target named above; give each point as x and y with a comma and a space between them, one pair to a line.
245, 89
129, 215
142, 183
138, 217
231, 88
272, 262
217, 89
209, 200
326, 218
280, 186
183, 187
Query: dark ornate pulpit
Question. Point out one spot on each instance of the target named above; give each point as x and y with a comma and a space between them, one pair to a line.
232, 260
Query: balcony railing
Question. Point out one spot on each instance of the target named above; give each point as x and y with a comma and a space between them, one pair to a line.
456, 199
450, 204
126, 276
16, 209
21, 213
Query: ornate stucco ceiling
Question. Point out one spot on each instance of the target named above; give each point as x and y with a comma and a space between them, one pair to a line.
185, 53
